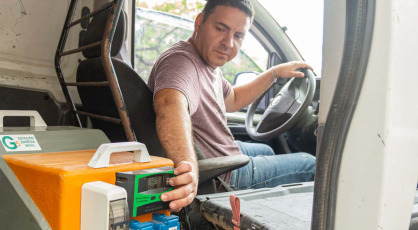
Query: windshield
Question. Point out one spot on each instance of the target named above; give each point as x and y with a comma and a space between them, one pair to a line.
304, 22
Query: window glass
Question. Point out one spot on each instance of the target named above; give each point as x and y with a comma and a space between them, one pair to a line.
155, 32
159, 24
304, 22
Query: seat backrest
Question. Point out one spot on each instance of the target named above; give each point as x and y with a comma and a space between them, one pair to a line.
137, 96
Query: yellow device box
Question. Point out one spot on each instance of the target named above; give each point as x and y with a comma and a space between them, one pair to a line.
54, 180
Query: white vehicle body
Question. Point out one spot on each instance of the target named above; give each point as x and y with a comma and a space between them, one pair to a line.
377, 175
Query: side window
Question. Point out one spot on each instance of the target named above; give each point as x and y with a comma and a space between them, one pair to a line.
160, 24
251, 58
155, 32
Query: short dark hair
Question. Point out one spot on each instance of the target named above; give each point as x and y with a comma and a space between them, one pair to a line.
244, 5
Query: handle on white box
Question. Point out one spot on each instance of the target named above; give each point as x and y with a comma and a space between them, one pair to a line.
102, 156
35, 118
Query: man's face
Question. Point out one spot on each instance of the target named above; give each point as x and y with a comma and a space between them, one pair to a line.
219, 38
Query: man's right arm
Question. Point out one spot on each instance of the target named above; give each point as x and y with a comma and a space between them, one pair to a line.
242, 95
175, 133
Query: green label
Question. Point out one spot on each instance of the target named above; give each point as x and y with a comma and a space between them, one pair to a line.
22, 142
146, 197
9, 143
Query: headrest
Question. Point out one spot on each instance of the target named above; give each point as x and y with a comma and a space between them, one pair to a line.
95, 30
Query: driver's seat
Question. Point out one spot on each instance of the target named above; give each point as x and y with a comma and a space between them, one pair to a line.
137, 98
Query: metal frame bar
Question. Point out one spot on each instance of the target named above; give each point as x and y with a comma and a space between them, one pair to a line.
99, 43
88, 16
112, 21
100, 117
58, 69
112, 82
94, 84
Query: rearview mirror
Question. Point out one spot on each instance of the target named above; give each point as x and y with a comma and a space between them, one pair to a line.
245, 77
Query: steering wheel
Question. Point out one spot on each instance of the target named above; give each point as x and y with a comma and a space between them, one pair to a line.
286, 109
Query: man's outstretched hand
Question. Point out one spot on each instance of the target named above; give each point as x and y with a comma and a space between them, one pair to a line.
289, 69
185, 183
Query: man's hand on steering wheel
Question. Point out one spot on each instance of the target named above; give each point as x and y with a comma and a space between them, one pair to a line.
289, 69
288, 107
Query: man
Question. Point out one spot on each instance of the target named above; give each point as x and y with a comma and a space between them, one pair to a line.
191, 98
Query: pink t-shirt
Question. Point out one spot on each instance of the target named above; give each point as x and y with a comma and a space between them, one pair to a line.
181, 68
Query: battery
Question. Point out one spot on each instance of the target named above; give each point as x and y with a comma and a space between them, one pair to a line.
144, 188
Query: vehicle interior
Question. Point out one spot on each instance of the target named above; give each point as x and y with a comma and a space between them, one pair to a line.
139, 117
98, 82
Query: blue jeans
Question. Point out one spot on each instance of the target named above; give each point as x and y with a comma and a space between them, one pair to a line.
266, 169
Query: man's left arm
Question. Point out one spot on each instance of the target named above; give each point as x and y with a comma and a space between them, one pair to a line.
243, 95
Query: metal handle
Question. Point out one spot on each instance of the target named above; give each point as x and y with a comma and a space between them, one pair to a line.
35, 119
102, 156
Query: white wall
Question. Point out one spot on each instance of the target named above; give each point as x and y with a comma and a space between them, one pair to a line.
29, 35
